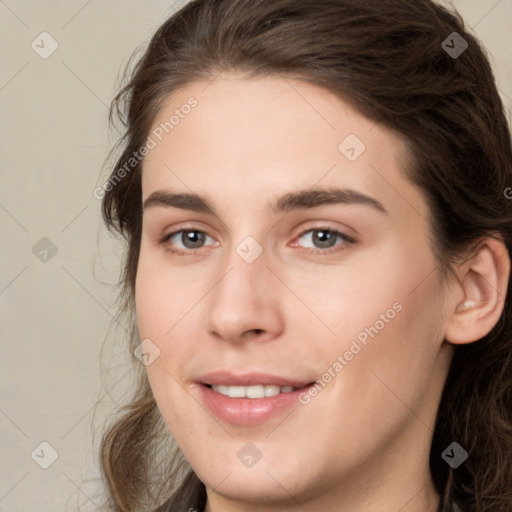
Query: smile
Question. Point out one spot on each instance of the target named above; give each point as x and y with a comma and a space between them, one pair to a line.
249, 399
257, 391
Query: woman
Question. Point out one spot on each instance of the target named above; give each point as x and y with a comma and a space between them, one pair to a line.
314, 196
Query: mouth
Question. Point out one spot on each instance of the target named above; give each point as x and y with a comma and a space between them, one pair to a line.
250, 399
252, 392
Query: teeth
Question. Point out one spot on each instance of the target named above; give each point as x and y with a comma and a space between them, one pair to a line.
236, 391
258, 391
254, 391
272, 390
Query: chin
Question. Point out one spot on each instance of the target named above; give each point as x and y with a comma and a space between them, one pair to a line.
250, 487
270, 481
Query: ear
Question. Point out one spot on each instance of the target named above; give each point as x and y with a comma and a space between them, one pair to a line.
478, 300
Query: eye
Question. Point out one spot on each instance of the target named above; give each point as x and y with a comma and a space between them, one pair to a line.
325, 240
190, 238
323, 237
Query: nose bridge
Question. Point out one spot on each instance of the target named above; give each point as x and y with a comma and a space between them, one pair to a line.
244, 298
246, 275
246, 258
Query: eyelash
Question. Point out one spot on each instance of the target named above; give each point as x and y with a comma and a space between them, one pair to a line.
322, 252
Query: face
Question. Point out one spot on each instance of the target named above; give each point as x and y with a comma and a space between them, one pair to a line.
301, 283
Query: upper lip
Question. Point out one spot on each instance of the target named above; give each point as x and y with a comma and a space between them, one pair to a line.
249, 379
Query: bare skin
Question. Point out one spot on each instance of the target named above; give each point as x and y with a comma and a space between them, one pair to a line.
363, 441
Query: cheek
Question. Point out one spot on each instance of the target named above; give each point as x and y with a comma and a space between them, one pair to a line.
387, 328
162, 295
388, 292
163, 300
392, 373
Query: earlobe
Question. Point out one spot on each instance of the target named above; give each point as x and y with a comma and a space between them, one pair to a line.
484, 281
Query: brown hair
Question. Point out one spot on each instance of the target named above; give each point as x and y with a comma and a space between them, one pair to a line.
386, 58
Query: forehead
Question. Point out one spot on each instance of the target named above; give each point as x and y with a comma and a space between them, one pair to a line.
258, 136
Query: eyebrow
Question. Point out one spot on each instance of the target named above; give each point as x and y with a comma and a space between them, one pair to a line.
291, 201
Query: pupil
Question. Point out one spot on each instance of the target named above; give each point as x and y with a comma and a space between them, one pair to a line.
324, 243
189, 238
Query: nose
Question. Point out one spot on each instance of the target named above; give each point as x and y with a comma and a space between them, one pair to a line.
244, 304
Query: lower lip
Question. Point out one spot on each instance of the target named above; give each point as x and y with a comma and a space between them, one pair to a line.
247, 411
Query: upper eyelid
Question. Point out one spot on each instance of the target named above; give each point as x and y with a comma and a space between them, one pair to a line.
301, 232
307, 226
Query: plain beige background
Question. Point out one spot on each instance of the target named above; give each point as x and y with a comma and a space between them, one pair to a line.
56, 308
